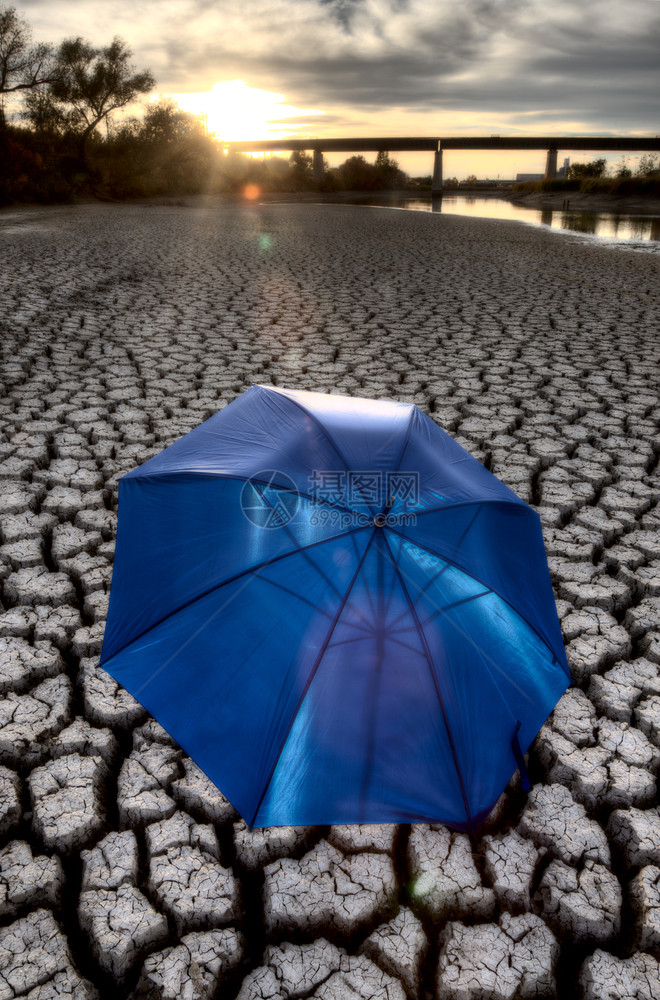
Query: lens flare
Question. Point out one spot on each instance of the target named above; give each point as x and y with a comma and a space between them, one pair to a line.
422, 886
251, 191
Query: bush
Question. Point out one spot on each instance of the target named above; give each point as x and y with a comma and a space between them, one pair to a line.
357, 174
32, 168
633, 187
557, 184
580, 171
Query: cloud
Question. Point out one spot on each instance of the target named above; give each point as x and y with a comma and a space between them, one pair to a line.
365, 63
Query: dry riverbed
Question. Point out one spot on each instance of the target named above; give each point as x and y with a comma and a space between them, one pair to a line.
123, 871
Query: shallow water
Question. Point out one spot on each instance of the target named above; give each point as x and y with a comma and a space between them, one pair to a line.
605, 225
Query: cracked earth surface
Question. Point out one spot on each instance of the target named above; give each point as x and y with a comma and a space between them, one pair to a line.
123, 871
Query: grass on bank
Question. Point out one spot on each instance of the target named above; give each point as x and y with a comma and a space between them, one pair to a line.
618, 187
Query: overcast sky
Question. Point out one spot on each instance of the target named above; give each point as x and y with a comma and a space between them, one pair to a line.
397, 67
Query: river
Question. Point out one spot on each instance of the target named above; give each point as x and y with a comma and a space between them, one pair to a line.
606, 226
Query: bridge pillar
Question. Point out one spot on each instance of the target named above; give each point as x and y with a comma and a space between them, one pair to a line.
318, 166
551, 164
436, 184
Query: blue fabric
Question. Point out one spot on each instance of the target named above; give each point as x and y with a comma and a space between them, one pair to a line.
336, 611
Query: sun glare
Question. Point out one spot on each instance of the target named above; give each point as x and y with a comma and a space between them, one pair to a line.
236, 111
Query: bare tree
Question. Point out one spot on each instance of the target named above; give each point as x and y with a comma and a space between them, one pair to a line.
23, 66
647, 166
166, 122
91, 83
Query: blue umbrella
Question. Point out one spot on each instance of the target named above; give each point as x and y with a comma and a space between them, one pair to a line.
336, 611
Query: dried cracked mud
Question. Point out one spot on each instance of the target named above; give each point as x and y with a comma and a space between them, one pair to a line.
123, 871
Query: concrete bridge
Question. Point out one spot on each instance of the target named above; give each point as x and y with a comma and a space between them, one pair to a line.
437, 146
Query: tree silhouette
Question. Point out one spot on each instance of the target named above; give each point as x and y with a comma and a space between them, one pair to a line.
23, 66
91, 83
165, 122
302, 169
595, 168
647, 166
389, 173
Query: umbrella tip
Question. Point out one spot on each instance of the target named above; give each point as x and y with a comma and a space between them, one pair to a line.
380, 520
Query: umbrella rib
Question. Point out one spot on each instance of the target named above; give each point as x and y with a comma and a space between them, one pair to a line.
292, 593
485, 656
365, 625
237, 576
405, 645
458, 566
312, 674
388, 597
454, 604
429, 660
468, 503
444, 569
308, 559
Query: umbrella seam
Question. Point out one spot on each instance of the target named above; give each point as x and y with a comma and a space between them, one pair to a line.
312, 675
403, 451
472, 576
330, 438
429, 660
487, 660
405, 443
467, 503
323, 429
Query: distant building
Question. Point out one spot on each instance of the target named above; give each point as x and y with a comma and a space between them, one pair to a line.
563, 171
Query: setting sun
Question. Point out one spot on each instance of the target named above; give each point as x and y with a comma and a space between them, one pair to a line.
237, 111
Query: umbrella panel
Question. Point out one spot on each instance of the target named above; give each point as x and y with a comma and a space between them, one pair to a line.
369, 742
225, 674
492, 669
501, 545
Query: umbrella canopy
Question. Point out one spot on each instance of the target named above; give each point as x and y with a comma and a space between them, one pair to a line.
336, 611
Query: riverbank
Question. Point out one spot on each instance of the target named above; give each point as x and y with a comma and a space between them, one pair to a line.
533, 200
576, 200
